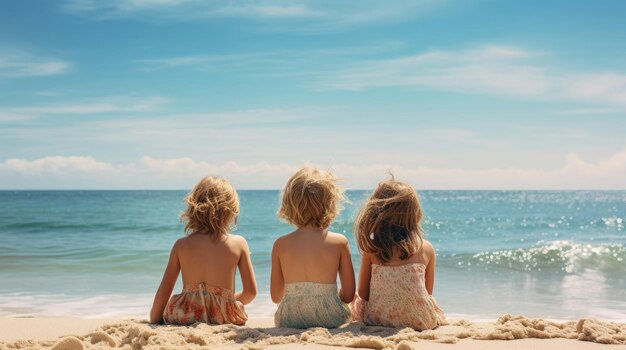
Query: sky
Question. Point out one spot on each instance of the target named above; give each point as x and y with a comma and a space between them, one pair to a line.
450, 94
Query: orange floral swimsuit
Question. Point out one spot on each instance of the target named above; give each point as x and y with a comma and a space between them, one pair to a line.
204, 303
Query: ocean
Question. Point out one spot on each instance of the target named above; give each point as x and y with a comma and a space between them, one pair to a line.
552, 254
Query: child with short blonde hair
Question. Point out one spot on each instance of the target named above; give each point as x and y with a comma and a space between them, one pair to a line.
207, 257
305, 262
398, 265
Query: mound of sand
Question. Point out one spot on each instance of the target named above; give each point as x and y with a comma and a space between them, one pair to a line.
133, 335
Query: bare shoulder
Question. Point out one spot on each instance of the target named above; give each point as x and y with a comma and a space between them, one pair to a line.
337, 238
178, 247
238, 241
280, 241
428, 248
236, 238
180, 243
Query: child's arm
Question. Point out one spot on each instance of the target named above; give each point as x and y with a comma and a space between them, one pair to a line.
365, 274
346, 274
247, 276
430, 268
277, 281
167, 285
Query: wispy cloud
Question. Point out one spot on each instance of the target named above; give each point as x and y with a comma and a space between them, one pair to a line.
593, 111
16, 63
134, 105
225, 62
460, 136
248, 135
283, 61
495, 70
194, 8
563, 133
96, 106
47, 93
197, 122
490, 69
297, 15
149, 172
8, 116
288, 10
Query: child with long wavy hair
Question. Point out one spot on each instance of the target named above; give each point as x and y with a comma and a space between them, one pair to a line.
207, 257
306, 262
398, 265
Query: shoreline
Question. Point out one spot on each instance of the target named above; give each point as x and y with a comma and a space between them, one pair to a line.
509, 332
137, 307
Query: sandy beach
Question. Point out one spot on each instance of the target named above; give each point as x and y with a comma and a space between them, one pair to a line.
508, 332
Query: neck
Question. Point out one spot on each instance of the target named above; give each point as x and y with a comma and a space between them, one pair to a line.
311, 228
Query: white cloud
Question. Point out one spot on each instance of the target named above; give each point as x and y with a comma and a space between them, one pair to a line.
150, 172
610, 87
188, 167
15, 63
490, 70
55, 165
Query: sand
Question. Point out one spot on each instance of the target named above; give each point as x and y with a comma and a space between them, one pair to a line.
509, 332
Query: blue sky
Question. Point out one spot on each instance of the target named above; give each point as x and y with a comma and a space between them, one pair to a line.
446, 94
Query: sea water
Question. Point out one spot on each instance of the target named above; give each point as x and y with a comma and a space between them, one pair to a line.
552, 254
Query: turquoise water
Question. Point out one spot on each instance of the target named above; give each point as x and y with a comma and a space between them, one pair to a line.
555, 254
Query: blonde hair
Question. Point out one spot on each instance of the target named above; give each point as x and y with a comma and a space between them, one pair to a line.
311, 197
211, 207
390, 219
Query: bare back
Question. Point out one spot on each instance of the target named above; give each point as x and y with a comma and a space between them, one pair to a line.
312, 255
204, 259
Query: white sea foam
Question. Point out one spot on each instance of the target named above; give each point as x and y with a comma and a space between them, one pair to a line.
101, 306
552, 255
97, 306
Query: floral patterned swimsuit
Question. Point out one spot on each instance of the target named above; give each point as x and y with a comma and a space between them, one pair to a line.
204, 303
398, 298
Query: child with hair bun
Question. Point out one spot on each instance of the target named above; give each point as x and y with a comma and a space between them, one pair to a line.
207, 257
305, 262
398, 265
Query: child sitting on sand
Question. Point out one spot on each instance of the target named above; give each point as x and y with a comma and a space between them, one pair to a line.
305, 262
207, 257
398, 265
